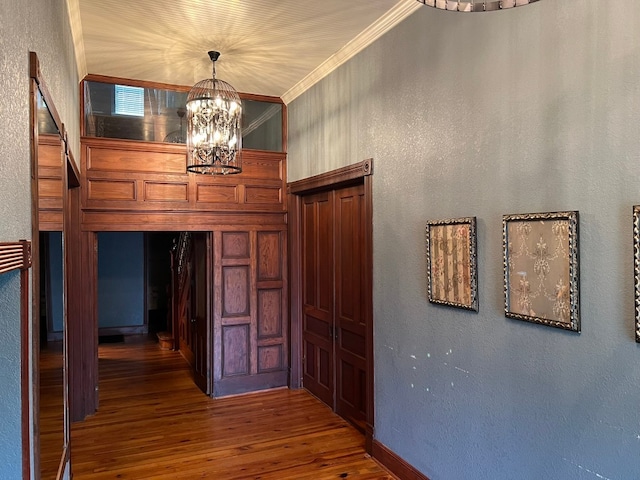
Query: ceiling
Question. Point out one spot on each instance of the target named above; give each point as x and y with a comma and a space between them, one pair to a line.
277, 47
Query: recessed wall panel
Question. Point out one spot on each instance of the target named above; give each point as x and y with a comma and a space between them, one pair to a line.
112, 190
235, 350
217, 193
235, 291
166, 192
115, 160
269, 253
269, 313
235, 245
254, 195
270, 358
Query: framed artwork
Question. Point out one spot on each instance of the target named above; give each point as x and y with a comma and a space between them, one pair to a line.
541, 271
452, 277
636, 266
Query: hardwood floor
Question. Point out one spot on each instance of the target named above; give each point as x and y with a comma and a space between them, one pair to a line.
153, 422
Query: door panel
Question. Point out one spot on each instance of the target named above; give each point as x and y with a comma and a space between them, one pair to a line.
200, 330
349, 300
317, 273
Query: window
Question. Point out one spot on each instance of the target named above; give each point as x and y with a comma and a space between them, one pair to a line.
129, 101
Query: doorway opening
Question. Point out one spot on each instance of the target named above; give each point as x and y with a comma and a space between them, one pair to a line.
154, 285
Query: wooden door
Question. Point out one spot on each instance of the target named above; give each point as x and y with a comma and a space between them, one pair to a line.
334, 318
350, 320
318, 327
200, 317
193, 308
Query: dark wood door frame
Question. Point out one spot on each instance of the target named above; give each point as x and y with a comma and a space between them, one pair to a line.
353, 174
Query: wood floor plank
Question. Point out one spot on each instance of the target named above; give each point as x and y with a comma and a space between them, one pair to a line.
154, 423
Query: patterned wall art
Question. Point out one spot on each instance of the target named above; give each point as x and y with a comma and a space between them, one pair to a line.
451, 262
541, 268
636, 266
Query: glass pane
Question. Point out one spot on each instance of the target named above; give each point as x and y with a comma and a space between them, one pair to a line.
134, 113
262, 125
157, 115
46, 124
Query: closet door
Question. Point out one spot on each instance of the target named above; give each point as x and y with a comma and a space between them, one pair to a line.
318, 301
335, 325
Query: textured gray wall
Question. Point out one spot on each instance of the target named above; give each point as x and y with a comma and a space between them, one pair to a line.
525, 110
41, 26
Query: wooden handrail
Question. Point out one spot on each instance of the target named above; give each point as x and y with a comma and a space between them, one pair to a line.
15, 256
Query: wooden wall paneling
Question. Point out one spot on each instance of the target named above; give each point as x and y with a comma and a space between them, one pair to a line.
134, 176
235, 350
263, 195
118, 156
105, 190
271, 316
176, 221
249, 309
156, 191
217, 194
263, 165
50, 158
83, 331
237, 304
295, 289
217, 311
253, 306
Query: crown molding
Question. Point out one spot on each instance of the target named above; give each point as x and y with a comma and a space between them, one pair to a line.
381, 26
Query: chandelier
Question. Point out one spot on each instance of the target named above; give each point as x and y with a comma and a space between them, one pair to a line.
475, 5
214, 139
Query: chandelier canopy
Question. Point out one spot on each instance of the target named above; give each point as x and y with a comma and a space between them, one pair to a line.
214, 137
